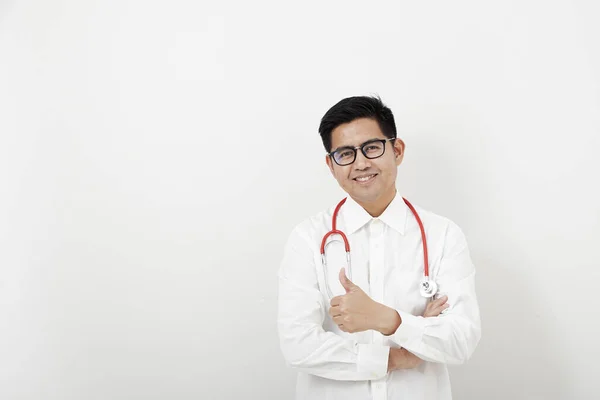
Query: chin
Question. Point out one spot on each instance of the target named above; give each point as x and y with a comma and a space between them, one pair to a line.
364, 198
367, 194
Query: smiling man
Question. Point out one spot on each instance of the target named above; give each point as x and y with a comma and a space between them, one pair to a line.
379, 307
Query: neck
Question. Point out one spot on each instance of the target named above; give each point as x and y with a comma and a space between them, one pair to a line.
377, 207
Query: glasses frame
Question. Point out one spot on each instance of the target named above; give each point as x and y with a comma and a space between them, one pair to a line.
362, 150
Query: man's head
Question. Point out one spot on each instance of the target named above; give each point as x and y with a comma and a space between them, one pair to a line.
367, 175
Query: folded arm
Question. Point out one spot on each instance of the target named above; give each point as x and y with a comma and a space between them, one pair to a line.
301, 314
451, 337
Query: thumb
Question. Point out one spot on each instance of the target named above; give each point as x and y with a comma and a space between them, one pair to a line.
346, 283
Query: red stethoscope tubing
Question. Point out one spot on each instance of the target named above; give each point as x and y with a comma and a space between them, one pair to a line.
335, 231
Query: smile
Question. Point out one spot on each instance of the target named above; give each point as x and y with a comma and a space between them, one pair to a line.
365, 179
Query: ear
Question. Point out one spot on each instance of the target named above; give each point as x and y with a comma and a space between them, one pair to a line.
399, 151
329, 163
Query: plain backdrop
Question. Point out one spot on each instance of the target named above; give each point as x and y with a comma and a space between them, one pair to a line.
154, 157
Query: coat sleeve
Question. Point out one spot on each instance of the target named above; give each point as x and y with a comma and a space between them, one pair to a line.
451, 337
301, 313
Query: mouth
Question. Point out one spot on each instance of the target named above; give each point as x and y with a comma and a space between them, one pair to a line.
365, 180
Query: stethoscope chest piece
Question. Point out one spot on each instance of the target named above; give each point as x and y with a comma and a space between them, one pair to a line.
428, 288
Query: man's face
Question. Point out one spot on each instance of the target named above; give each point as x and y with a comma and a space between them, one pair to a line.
380, 172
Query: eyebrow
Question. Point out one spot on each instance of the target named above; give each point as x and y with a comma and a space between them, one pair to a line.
360, 145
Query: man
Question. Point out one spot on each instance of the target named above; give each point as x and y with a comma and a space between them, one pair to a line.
373, 335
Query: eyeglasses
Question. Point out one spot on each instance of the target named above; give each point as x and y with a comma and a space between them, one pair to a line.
371, 149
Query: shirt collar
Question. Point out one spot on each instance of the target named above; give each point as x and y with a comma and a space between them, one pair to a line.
355, 217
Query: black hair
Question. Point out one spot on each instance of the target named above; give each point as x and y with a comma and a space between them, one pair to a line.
351, 108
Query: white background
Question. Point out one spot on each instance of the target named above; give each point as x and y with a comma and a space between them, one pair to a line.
154, 157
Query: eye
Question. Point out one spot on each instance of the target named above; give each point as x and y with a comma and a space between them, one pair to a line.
373, 148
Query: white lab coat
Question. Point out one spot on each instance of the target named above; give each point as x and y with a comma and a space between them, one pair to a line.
387, 263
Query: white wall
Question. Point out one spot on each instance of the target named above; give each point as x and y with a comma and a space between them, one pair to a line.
147, 190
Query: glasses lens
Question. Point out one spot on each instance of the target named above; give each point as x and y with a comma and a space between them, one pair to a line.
344, 156
373, 149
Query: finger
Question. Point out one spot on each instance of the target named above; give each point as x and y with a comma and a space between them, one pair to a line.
346, 283
335, 301
441, 308
335, 311
431, 305
440, 301
436, 303
434, 311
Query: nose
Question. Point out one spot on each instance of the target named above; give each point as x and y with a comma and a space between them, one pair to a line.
361, 161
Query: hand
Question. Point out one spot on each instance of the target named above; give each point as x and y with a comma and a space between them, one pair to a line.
356, 311
404, 359
435, 308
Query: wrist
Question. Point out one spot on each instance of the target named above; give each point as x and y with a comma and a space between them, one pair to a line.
389, 321
392, 360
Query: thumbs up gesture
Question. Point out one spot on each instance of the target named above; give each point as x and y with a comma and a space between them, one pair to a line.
347, 283
356, 311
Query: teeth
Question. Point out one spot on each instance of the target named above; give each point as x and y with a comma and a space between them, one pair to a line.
364, 178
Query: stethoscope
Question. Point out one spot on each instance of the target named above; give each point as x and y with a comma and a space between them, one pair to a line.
427, 287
